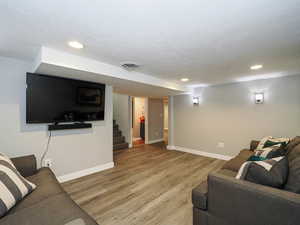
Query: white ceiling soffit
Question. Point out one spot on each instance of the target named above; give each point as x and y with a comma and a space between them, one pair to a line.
58, 63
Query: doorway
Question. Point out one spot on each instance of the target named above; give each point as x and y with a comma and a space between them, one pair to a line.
138, 121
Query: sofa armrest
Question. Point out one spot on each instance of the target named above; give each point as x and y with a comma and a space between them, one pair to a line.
241, 202
199, 196
26, 165
253, 145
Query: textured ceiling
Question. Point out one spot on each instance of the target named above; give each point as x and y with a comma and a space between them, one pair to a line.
210, 42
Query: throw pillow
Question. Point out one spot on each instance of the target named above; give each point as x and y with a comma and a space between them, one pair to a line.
262, 142
271, 172
269, 152
270, 141
13, 187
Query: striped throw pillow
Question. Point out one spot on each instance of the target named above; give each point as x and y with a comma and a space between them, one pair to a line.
13, 187
270, 152
270, 141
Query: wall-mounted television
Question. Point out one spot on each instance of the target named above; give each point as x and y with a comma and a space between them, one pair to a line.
51, 99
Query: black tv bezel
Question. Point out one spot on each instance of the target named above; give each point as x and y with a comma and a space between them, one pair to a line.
28, 121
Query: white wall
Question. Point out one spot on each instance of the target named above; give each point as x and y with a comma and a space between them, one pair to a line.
227, 113
71, 150
121, 114
155, 119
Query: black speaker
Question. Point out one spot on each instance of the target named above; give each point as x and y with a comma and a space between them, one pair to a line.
69, 126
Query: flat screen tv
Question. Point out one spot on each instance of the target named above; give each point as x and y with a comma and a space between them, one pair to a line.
53, 99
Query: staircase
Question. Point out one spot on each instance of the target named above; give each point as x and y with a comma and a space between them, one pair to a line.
118, 138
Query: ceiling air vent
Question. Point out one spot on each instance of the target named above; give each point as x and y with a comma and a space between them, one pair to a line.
130, 66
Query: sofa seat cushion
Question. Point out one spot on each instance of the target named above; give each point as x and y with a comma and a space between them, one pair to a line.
235, 163
47, 186
199, 196
55, 210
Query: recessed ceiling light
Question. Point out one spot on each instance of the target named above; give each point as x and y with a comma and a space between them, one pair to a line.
256, 67
75, 44
184, 79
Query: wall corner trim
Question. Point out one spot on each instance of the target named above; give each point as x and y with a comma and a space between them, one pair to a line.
85, 172
202, 153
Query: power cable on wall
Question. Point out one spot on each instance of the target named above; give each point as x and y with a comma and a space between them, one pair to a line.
46, 150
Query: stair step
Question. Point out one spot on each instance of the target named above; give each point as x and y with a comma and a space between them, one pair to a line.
118, 139
120, 146
117, 133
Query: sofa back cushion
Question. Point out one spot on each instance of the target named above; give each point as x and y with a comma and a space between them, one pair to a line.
293, 143
235, 163
294, 152
293, 181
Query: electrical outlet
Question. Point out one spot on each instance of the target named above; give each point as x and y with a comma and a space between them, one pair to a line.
221, 145
48, 162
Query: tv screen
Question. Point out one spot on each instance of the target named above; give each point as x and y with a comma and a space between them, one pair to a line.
89, 96
53, 99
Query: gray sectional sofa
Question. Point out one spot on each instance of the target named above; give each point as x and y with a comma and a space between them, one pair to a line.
48, 204
225, 200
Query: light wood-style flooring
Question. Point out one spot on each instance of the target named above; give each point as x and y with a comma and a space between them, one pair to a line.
149, 185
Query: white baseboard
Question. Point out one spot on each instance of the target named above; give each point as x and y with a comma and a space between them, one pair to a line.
85, 172
155, 141
171, 147
202, 153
